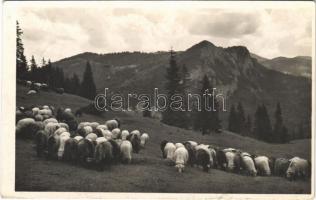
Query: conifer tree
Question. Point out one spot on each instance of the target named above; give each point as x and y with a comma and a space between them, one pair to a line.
21, 63
207, 120
280, 134
248, 127
241, 120
174, 85
33, 68
88, 88
232, 119
262, 125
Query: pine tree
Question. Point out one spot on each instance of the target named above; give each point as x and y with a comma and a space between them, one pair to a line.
280, 134
207, 120
49, 74
174, 86
248, 127
241, 120
75, 82
262, 125
21, 63
232, 120
88, 88
43, 62
33, 68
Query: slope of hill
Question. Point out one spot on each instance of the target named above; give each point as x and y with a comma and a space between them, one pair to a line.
297, 66
148, 172
233, 72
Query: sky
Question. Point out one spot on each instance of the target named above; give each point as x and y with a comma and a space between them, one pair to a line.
57, 32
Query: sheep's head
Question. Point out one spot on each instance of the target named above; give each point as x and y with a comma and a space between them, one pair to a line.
180, 167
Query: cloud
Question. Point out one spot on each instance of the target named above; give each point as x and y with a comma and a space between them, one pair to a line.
58, 32
226, 25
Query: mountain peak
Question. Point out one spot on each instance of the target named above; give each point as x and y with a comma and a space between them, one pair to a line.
241, 51
202, 44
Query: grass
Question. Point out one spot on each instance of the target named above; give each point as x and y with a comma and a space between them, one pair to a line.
149, 172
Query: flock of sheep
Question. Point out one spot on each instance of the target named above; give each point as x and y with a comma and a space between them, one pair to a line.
59, 136
35, 87
232, 160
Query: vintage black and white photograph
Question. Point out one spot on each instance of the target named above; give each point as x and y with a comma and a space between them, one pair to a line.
163, 97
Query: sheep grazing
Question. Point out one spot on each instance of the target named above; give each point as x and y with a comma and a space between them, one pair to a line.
124, 134
60, 130
181, 157
62, 140
103, 154
116, 133
112, 124
144, 139
46, 121
39, 117
169, 150
51, 127
126, 151
31, 92
107, 134
92, 137
178, 145
100, 139
68, 110
27, 128
136, 132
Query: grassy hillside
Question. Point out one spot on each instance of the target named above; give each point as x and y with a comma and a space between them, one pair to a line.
148, 172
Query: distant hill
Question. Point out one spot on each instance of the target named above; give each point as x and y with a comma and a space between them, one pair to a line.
233, 71
298, 66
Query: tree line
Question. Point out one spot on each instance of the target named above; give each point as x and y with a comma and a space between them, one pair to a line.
53, 76
208, 122
177, 83
261, 128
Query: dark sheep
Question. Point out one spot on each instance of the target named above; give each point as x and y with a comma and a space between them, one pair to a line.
41, 142
191, 152
71, 150
280, 166
115, 150
103, 155
203, 159
52, 147
85, 152
162, 148
135, 140
221, 159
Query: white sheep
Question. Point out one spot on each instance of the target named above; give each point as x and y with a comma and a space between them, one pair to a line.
53, 120
115, 133
144, 139
124, 134
35, 110
112, 124
31, 92
62, 140
178, 145
136, 132
78, 138
39, 117
51, 127
60, 130
180, 158
126, 151
92, 137
107, 134
169, 150
101, 139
